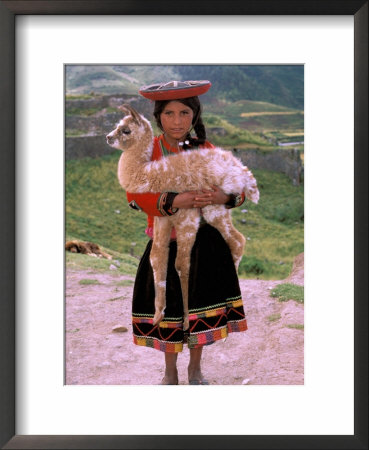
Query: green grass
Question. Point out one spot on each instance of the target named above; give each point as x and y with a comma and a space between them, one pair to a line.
295, 326
275, 122
235, 136
288, 291
231, 113
128, 264
274, 317
97, 211
79, 97
274, 228
250, 106
88, 281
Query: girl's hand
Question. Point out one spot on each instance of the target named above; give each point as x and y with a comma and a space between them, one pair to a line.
200, 199
217, 196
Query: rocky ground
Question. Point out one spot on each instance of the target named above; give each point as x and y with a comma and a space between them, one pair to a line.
100, 351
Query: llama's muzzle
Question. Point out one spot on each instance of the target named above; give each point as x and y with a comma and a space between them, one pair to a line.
109, 139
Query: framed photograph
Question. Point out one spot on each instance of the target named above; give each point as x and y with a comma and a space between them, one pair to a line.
268, 137
40, 410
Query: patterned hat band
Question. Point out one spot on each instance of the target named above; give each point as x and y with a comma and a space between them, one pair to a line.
175, 90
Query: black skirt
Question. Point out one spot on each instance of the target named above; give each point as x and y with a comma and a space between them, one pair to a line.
215, 303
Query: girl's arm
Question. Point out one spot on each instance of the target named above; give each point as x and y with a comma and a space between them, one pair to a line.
153, 204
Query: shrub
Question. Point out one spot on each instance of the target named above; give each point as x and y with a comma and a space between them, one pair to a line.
288, 291
251, 265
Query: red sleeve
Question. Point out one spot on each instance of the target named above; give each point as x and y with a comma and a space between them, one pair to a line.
147, 202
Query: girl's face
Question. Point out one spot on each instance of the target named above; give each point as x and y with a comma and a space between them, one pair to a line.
176, 120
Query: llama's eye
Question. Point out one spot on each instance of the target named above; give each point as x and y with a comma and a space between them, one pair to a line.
125, 131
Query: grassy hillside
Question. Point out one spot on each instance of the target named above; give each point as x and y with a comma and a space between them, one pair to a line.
234, 136
254, 122
97, 211
277, 84
256, 105
84, 79
243, 124
263, 116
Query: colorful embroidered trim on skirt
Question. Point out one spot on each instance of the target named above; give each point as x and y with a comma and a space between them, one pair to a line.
207, 325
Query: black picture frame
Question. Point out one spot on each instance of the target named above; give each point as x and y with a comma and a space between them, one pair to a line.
8, 11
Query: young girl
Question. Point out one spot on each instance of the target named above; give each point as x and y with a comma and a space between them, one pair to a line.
215, 303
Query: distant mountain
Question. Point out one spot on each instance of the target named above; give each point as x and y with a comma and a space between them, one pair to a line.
86, 79
278, 84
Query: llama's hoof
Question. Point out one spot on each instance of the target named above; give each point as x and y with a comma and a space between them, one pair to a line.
186, 324
158, 317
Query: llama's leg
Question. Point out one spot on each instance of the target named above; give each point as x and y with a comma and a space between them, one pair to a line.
186, 225
220, 218
159, 263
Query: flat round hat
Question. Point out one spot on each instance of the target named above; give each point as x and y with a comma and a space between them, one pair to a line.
175, 89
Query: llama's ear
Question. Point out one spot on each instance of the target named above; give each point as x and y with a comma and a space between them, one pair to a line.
124, 109
134, 114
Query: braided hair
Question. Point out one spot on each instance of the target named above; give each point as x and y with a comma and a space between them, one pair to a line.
197, 123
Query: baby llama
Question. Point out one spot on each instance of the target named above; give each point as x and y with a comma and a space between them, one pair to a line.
186, 171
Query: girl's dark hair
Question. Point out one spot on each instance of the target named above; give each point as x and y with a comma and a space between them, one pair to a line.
197, 123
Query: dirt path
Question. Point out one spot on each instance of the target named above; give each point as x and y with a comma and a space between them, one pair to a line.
269, 352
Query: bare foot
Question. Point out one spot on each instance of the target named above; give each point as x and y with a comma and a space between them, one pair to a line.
196, 377
170, 376
169, 380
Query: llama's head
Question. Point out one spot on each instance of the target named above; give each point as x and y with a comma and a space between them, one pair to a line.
132, 130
